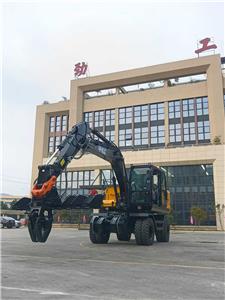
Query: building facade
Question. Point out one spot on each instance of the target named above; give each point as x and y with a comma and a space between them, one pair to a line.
170, 115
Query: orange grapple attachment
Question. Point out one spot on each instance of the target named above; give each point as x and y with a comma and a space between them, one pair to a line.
46, 187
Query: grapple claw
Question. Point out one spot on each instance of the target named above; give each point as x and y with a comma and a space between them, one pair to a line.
40, 225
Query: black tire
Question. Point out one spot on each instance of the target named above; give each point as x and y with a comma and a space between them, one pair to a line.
9, 225
125, 236
164, 234
138, 231
98, 237
148, 232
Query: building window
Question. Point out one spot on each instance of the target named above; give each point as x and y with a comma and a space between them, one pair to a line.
125, 115
58, 127
141, 131
110, 117
157, 135
125, 127
64, 123
51, 144
52, 124
175, 133
106, 177
103, 121
157, 111
88, 117
189, 125
141, 114
203, 131
174, 109
191, 186
202, 106
110, 124
188, 108
189, 132
141, 136
157, 128
74, 182
125, 137
99, 119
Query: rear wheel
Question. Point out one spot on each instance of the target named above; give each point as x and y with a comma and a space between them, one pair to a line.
164, 234
101, 237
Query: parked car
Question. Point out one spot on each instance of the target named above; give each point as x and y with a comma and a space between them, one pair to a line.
9, 222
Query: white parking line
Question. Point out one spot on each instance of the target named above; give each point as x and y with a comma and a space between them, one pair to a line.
118, 262
43, 292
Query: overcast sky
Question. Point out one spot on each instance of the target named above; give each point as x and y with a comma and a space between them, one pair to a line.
42, 40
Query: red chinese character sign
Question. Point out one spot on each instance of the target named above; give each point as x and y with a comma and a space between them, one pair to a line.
205, 45
80, 69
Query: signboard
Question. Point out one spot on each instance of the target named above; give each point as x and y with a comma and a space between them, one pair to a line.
205, 44
80, 69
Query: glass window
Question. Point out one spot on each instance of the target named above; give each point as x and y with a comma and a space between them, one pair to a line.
188, 108
125, 115
141, 114
106, 177
64, 123
88, 117
175, 133
125, 137
58, 123
110, 135
99, 119
110, 117
157, 135
51, 144
202, 106
203, 130
191, 186
174, 109
189, 131
157, 111
57, 141
141, 136
75, 182
52, 124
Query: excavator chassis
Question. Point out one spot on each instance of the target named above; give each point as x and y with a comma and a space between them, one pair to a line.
145, 227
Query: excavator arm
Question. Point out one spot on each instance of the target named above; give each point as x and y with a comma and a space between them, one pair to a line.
45, 197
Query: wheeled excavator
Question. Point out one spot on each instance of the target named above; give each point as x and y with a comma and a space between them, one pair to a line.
138, 203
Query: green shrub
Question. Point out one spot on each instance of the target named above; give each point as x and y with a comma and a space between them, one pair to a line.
198, 214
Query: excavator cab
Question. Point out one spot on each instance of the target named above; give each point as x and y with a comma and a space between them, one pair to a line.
147, 188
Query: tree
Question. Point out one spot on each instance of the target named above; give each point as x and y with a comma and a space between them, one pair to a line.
12, 203
198, 214
219, 211
3, 205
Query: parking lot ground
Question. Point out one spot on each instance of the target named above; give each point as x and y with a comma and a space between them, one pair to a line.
191, 266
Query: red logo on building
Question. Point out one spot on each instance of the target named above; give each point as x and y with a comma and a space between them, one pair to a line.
205, 45
80, 69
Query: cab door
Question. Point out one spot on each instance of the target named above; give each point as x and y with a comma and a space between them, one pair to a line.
140, 187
